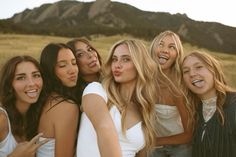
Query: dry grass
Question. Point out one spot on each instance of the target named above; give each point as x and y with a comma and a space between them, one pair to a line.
12, 44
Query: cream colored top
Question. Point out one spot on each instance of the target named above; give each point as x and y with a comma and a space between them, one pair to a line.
168, 120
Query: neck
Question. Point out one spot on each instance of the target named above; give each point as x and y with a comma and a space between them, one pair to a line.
91, 78
22, 107
127, 91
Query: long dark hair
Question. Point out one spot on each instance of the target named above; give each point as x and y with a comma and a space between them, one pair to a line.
48, 61
21, 125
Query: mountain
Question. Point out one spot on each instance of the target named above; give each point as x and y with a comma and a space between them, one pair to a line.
73, 19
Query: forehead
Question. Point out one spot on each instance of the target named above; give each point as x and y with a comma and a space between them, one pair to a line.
168, 38
191, 60
25, 67
121, 50
65, 54
80, 44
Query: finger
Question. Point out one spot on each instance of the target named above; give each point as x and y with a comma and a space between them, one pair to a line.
35, 139
41, 142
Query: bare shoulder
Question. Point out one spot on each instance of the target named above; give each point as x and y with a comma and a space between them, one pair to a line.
3, 125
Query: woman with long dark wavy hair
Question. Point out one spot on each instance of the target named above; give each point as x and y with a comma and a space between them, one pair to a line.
20, 87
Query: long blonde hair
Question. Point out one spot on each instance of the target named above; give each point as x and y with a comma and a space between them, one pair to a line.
173, 83
144, 91
215, 67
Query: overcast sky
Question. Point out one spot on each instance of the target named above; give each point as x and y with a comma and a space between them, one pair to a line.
222, 11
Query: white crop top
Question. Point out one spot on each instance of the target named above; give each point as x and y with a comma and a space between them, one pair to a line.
168, 120
9, 143
87, 138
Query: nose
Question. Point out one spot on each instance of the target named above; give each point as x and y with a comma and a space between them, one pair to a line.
118, 64
72, 69
192, 72
31, 81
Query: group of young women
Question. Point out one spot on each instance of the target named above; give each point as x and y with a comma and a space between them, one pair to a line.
139, 103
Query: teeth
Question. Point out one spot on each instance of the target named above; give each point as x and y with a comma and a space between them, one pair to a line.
32, 93
198, 83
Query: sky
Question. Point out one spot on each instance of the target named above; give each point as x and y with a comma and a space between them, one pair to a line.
222, 11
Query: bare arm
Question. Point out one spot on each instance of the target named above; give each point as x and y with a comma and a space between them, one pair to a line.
96, 110
182, 138
65, 127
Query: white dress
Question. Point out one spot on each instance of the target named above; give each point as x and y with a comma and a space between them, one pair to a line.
9, 143
168, 120
87, 138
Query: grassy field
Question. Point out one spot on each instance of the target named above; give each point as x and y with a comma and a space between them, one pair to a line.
12, 44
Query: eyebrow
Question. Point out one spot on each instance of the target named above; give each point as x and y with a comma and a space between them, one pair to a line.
21, 74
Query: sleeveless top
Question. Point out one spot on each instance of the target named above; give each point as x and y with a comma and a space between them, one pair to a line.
9, 143
168, 120
47, 149
87, 139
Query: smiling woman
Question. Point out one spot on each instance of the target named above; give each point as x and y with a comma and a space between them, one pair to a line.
20, 86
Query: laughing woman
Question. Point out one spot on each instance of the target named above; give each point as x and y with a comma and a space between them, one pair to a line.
20, 86
214, 105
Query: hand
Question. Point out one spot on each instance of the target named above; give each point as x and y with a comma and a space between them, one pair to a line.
28, 148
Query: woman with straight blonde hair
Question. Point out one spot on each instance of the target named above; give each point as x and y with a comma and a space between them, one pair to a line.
214, 105
118, 114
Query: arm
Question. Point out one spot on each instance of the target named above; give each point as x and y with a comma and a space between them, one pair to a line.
182, 138
3, 126
65, 121
141, 153
96, 109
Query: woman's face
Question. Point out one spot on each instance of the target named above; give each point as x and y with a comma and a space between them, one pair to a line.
27, 83
122, 66
198, 78
166, 52
66, 68
87, 59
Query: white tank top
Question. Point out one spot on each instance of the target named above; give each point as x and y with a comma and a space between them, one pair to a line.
47, 149
168, 120
9, 143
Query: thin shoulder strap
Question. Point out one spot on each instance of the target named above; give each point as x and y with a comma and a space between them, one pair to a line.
8, 120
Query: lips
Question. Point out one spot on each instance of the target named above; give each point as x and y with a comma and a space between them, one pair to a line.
163, 59
92, 64
116, 73
198, 83
32, 93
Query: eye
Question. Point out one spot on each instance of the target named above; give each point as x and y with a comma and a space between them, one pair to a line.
172, 47
90, 49
185, 71
61, 64
125, 59
199, 67
114, 59
73, 62
36, 75
20, 78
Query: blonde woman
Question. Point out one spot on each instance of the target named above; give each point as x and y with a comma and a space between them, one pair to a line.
214, 104
173, 112
118, 113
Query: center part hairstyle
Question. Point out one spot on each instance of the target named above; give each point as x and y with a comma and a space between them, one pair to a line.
48, 62
176, 68
215, 67
21, 125
144, 91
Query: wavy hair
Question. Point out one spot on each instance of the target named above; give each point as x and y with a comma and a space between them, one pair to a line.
215, 67
22, 126
175, 83
143, 94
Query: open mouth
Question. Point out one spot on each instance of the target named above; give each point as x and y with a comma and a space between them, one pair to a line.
32, 93
163, 59
198, 83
